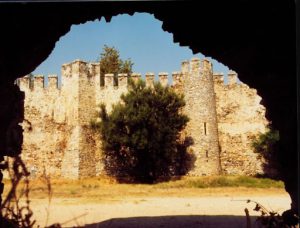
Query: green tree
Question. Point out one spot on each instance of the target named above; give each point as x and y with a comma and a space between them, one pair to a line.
266, 146
141, 134
111, 63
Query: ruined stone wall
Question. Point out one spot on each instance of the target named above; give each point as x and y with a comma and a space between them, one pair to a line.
241, 118
223, 119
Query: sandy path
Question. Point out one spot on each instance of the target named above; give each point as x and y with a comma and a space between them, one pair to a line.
208, 211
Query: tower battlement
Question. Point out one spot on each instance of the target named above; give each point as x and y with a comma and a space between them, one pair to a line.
196, 69
80, 68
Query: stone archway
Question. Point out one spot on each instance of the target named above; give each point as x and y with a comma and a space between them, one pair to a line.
257, 39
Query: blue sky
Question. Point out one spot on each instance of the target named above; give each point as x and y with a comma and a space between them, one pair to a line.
138, 37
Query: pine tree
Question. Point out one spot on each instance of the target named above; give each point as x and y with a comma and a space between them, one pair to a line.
111, 63
141, 134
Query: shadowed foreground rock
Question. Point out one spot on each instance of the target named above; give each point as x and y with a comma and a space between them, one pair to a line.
192, 221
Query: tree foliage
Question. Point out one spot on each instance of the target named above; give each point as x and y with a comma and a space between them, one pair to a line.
111, 63
141, 134
266, 146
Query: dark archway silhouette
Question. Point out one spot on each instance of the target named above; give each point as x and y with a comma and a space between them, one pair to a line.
257, 38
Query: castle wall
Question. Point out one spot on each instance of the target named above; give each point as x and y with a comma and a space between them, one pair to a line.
43, 125
110, 94
241, 118
57, 132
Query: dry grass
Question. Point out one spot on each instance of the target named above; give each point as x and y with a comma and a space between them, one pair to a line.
103, 188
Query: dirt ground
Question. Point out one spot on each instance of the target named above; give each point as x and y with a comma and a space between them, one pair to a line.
207, 208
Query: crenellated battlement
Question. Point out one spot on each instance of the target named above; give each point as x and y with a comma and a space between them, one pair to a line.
38, 82
232, 79
197, 69
218, 78
79, 70
136, 76
122, 80
23, 82
177, 78
80, 67
109, 80
149, 79
52, 81
163, 78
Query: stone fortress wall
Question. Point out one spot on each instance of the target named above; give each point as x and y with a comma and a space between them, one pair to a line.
224, 118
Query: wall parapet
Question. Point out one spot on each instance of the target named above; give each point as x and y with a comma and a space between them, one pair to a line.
163, 78
149, 79
218, 78
38, 82
109, 80
177, 77
136, 76
122, 80
232, 77
52, 81
80, 68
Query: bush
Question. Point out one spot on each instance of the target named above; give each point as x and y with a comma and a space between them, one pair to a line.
266, 146
141, 135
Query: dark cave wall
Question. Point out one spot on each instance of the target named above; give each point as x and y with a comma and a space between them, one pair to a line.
255, 38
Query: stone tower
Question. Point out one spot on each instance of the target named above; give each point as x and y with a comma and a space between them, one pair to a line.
81, 81
201, 108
